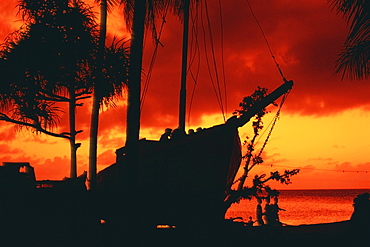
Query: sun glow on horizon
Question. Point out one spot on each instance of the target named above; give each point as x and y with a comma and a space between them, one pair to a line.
327, 150
320, 146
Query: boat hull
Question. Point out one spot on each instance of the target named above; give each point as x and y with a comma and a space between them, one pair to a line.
179, 181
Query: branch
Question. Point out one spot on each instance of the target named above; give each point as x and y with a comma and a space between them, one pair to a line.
44, 95
37, 127
83, 92
284, 178
53, 97
85, 97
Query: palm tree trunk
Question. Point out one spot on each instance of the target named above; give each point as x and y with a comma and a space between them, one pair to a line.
134, 84
72, 130
182, 108
132, 218
72, 123
94, 124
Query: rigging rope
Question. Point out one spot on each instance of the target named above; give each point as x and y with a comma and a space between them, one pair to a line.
269, 134
222, 54
281, 73
267, 43
318, 169
195, 56
273, 124
151, 65
216, 89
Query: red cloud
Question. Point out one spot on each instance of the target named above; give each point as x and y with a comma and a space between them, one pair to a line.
305, 37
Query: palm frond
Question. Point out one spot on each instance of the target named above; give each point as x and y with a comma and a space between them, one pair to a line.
110, 3
353, 60
115, 71
154, 9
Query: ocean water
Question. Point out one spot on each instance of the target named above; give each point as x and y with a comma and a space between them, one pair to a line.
305, 206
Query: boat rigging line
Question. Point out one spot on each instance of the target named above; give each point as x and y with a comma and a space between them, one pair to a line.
277, 116
280, 72
222, 54
216, 85
215, 76
205, 28
195, 56
317, 169
267, 42
152, 61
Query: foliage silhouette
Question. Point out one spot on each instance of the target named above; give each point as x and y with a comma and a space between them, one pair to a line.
141, 15
51, 61
353, 60
105, 87
259, 182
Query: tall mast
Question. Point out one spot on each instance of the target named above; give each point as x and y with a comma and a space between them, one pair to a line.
182, 109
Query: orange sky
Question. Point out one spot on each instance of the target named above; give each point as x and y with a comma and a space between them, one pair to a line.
323, 127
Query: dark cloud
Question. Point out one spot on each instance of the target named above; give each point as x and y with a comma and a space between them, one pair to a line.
56, 168
53, 169
305, 37
6, 150
8, 18
106, 158
7, 132
320, 159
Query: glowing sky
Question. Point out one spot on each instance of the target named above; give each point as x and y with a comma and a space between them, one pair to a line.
324, 124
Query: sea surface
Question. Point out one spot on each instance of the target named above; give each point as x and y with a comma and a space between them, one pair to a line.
305, 206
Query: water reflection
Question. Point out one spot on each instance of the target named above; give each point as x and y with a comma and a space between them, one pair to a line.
305, 206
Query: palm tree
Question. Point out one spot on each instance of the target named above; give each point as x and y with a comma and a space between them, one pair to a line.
134, 88
354, 59
140, 14
97, 97
111, 78
51, 60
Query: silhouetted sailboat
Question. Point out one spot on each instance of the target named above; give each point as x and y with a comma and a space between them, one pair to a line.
183, 179
186, 177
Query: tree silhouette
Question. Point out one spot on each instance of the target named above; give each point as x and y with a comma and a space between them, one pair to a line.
52, 61
59, 42
353, 61
141, 14
110, 79
259, 183
245, 105
100, 93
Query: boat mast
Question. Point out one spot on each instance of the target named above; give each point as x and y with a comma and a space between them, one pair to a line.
182, 109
